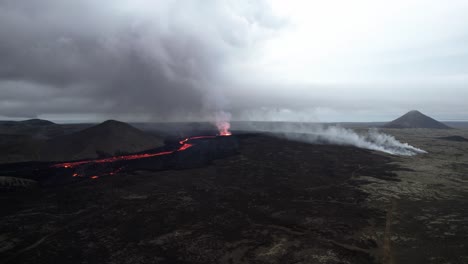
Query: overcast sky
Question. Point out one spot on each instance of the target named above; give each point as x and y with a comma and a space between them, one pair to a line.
182, 60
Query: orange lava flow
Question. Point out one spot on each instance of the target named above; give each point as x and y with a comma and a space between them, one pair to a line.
183, 143
225, 133
111, 159
184, 147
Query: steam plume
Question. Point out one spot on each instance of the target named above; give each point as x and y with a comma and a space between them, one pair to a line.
222, 121
313, 133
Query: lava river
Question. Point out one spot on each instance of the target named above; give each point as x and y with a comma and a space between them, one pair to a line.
184, 145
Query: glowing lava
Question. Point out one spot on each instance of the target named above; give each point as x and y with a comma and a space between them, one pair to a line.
223, 128
224, 133
69, 165
183, 146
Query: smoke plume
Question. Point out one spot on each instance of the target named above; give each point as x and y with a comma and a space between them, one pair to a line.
315, 133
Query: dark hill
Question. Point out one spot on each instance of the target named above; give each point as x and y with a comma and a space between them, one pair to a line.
106, 139
35, 128
415, 119
36, 122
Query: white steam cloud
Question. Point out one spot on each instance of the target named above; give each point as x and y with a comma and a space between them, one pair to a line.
314, 133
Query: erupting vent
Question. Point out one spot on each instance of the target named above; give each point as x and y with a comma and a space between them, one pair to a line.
224, 129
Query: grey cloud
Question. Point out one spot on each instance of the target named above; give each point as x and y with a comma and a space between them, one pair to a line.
182, 60
100, 56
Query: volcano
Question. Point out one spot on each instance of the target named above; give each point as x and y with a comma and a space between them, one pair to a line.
106, 139
415, 119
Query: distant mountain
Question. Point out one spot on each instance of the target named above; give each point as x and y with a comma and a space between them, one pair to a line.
36, 128
36, 122
106, 139
415, 119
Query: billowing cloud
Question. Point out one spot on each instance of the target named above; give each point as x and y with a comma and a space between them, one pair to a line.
147, 58
262, 59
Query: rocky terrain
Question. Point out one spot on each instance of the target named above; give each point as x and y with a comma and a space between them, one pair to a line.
276, 201
428, 205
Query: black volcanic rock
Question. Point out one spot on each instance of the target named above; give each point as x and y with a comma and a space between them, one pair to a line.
415, 119
106, 139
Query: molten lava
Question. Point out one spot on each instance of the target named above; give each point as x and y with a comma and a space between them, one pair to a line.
74, 164
224, 133
184, 145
